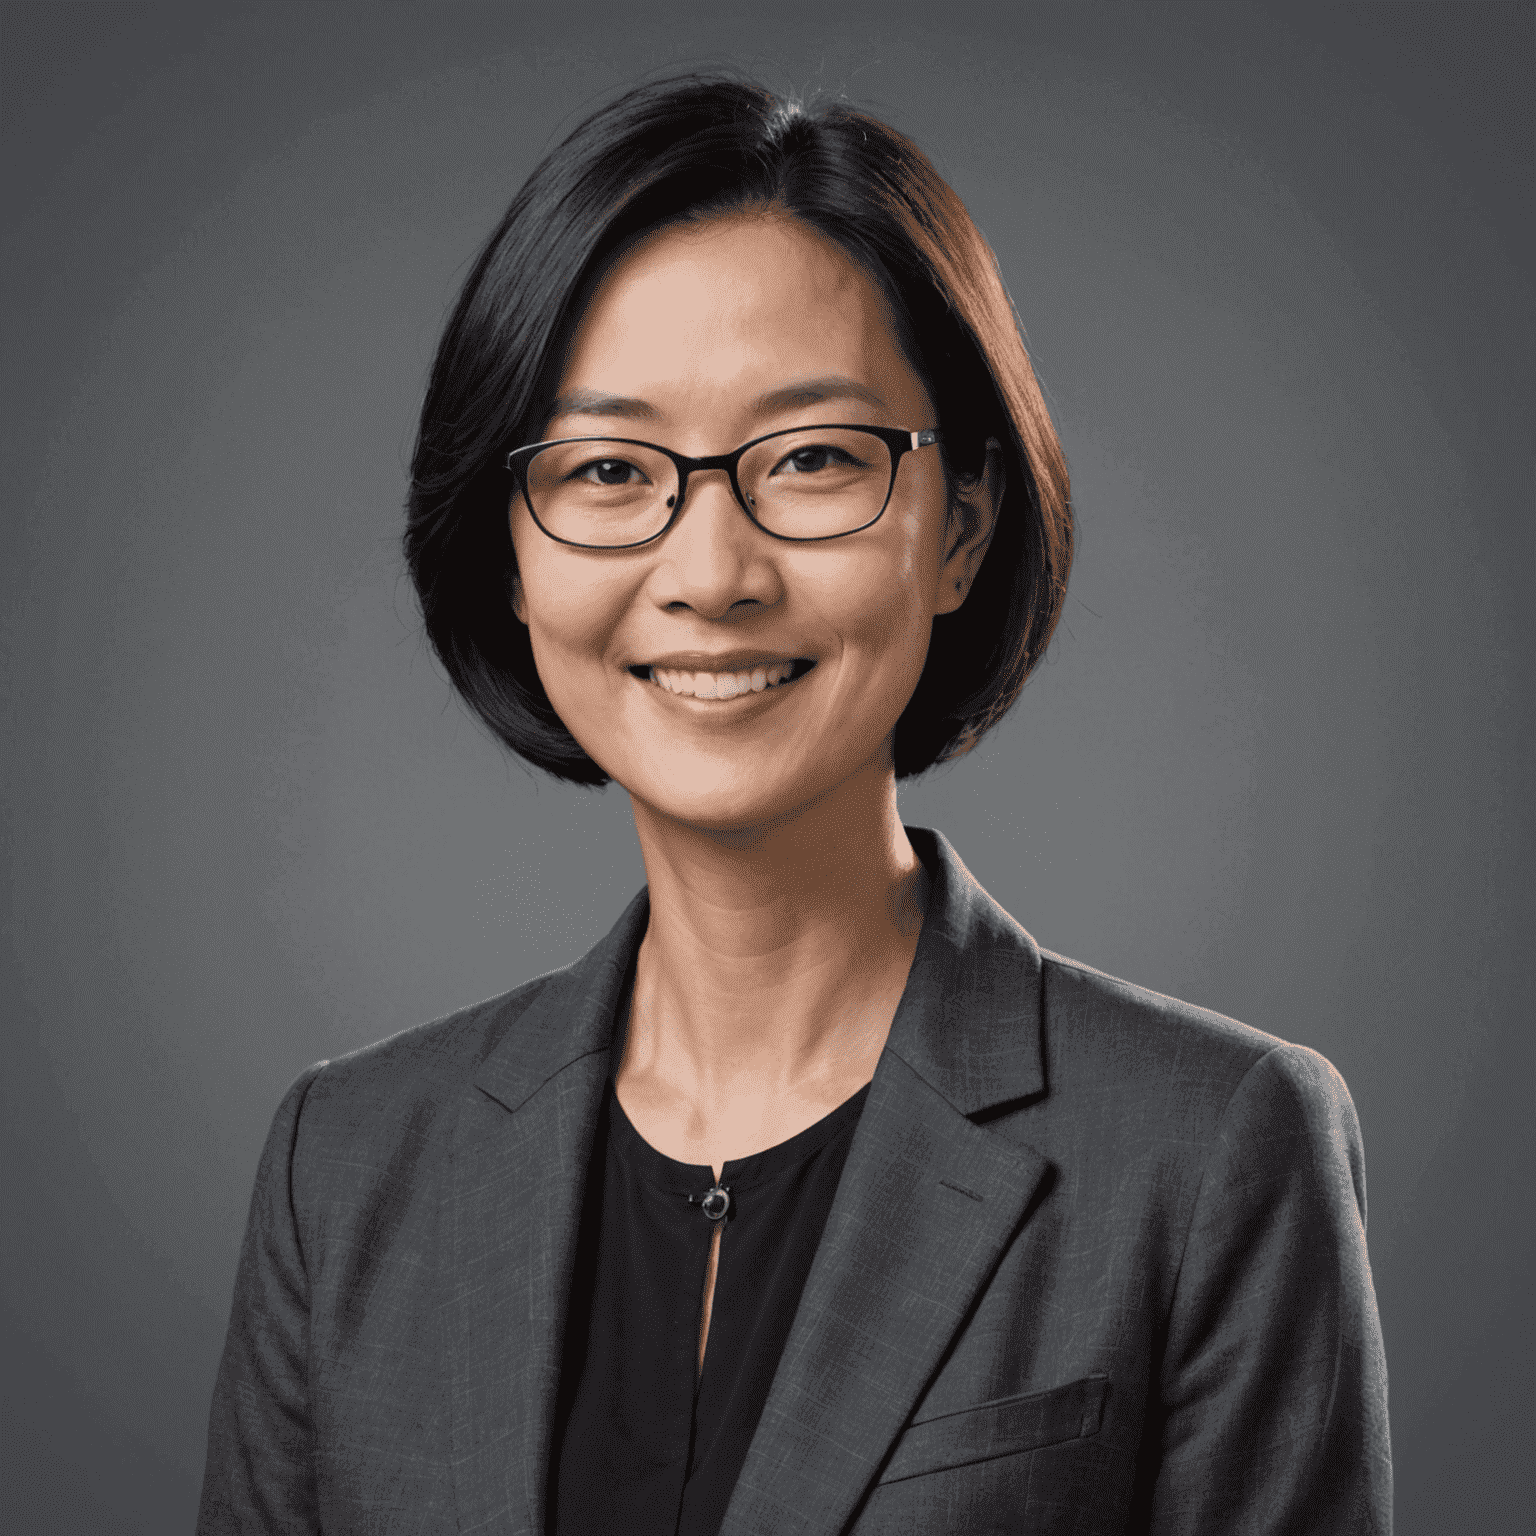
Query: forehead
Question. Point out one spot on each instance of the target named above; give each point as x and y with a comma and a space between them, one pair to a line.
744, 302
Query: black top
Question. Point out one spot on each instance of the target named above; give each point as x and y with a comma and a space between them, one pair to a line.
643, 1443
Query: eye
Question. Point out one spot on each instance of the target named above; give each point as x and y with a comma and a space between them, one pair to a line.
609, 472
814, 457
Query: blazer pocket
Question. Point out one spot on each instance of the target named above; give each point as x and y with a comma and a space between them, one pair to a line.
1001, 1428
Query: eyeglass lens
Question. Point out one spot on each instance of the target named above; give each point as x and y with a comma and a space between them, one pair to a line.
812, 484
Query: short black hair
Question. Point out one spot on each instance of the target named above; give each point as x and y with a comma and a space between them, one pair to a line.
688, 148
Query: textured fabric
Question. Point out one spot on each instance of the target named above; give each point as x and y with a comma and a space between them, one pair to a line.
644, 1443
1096, 1263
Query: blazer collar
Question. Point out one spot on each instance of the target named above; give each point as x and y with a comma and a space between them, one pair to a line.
969, 1021
966, 1037
572, 1017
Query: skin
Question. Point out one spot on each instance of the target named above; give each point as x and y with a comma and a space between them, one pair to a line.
785, 897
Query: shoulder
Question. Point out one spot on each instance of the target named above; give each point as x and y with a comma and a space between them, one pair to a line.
1180, 1072
360, 1108
1118, 1015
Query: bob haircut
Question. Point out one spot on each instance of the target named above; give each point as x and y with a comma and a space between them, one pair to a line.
691, 148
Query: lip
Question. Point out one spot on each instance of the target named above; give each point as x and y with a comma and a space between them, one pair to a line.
723, 661
704, 705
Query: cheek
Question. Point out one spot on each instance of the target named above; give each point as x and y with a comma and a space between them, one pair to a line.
894, 596
571, 609
881, 606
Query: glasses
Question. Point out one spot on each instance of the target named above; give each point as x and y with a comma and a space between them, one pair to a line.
802, 485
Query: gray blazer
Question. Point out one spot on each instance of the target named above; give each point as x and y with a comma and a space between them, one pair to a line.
1096, 1264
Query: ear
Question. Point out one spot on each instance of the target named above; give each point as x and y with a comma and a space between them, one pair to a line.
968, 529
515, 593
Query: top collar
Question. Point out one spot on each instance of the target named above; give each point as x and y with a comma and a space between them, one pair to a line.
968, 1023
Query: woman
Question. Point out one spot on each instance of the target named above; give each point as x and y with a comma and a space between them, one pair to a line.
816, 1197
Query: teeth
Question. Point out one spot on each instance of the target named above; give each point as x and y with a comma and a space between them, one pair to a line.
721, 685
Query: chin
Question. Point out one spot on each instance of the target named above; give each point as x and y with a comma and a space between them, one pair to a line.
696, 790
724, 810
720, 798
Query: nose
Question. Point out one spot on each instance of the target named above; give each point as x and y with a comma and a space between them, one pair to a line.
714, 559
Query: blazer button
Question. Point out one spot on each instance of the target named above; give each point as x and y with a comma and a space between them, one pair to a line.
716, 1203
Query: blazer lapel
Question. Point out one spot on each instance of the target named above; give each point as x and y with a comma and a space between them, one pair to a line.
521, 1149
927, 1203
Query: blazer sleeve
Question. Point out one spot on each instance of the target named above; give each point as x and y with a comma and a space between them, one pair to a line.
260, 1475
1273, 1401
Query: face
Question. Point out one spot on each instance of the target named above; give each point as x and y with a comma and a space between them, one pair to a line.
700, 338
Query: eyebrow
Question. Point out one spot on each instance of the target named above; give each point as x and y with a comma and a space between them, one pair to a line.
814, 391
593, 402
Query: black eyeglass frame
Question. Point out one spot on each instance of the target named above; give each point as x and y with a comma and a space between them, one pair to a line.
897, 439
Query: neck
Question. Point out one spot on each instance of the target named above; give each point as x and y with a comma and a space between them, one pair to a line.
775, 957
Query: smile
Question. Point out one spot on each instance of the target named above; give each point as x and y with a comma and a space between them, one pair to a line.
724, 685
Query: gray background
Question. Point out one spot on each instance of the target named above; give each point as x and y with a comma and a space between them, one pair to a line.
1274, 269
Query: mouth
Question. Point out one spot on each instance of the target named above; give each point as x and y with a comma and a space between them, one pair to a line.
691, 684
